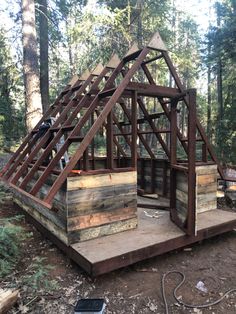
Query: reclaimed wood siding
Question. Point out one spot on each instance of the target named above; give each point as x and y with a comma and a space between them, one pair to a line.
87, 206
59, 202
101, 204
206, 189
145, 176
145, 180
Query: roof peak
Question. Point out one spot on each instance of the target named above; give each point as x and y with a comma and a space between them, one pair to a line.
73, 80
134, 48
98, 69
85, 75
156, 42
113, 62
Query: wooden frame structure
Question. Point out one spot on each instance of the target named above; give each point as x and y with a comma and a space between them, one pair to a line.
88, 105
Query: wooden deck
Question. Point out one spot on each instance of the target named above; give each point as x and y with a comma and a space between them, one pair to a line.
154, 236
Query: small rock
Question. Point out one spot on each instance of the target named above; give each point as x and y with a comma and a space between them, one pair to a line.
188, 249
152, 307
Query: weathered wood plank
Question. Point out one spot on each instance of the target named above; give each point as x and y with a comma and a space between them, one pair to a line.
208, 169
182, 186
59, 202
207, 206
99, 219
36, 207
206, 179
97, 232
204, 189
183, 197
205, 198
47, 223
83, 195
101, 180
103, 205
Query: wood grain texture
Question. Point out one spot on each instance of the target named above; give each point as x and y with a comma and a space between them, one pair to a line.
8, 298
103, 205
102, 180
89, 204
99, 219
96, 194
209, 169
59, 232
206, 188
101, 231
206, 179
49, 214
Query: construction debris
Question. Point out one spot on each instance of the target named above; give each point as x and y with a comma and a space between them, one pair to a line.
7, 299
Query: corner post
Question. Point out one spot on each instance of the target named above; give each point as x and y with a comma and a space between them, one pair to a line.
134, 130
192, 123
110, 160
173, 156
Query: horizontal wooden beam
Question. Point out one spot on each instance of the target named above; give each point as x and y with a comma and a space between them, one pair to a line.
143, 132
153, 59
144, 119
142, 89
132, 56
100, 171
35, 199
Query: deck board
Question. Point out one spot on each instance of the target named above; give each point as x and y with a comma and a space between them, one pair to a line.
150, 231
153, 236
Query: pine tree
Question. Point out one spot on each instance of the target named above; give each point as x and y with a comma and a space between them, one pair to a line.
30, 64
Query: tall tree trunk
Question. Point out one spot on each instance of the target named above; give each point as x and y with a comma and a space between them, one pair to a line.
30, 64
209, 91
219, 91
219, 86
173, 26
209, 126
43, 31
8, 123
139, 6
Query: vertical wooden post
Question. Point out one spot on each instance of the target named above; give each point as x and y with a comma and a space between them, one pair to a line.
92, 144
153, 175
118, 158
142, 174
134, 130
164, 187
110, 161
86, 160
173, 156
204, 152
191, 163
173, 133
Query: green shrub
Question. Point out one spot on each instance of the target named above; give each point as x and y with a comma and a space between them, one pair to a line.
11, 237
38, 276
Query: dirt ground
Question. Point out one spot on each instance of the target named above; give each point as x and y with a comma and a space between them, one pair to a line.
134, 289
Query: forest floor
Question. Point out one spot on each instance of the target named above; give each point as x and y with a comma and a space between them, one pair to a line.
134, 289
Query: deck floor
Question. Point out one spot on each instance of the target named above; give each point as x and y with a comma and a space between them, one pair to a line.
155, 235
